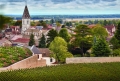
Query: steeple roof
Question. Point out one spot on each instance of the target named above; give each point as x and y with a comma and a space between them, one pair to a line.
26, 14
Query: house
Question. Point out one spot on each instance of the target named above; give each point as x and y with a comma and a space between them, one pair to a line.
5, 42
110, 29
43, 53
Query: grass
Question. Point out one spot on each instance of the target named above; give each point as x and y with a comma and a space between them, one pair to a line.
10, 55
67, 72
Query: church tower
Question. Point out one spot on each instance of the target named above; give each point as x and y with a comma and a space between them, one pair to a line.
25, 20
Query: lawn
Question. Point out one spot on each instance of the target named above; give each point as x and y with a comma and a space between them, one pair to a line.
66, 72
10, 55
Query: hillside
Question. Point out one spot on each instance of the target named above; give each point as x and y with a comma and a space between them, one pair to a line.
10, 55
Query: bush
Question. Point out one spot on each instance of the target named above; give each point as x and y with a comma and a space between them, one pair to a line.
116, 52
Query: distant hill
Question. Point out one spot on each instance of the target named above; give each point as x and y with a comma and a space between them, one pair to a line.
33, 17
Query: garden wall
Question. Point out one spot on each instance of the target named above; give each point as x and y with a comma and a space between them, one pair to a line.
92, 59
30, 62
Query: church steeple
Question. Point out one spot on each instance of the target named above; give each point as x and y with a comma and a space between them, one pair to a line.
26, 14
25, 19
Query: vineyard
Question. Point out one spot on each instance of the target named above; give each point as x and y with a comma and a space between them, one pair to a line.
66, 72
10, 55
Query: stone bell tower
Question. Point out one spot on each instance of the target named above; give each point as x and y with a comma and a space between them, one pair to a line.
25, 20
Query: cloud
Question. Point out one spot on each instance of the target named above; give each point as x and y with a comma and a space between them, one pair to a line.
62, 6
109, 0
61, 1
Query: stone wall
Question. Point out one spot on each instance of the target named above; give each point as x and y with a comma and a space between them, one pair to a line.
30, 62
92, 59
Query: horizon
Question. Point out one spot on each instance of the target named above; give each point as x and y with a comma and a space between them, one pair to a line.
60, 7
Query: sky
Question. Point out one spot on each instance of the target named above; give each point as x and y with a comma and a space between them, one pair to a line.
60, 7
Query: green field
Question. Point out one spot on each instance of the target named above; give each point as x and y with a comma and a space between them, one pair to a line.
66, 72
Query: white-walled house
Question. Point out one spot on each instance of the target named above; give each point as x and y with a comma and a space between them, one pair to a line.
43, 53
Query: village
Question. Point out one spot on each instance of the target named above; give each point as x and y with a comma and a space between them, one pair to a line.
62, 47
17, 36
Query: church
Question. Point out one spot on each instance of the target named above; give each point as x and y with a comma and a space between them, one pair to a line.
27, 29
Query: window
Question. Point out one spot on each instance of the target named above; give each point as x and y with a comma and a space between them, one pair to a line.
51, 59
27, 21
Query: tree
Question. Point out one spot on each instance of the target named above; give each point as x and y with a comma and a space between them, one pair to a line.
42, 42
59, 51
117, 33
101, 48
64, 34
4, 20
99, 31
115, 43
31, 41
51, 35
83, 38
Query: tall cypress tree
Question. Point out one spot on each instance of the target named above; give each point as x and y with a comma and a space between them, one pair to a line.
31, 41
42, 42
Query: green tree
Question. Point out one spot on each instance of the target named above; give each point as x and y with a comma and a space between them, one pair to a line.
64, 34
83, 38
51, 35
31, 41
4, 20
101, 48
59, 50
99, 31
42, 42
117, 33
115, 43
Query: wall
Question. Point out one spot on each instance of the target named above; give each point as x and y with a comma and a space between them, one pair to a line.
48, 60
92, 59
30, 62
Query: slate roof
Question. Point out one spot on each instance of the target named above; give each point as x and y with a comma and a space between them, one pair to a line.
35, 50
26, 14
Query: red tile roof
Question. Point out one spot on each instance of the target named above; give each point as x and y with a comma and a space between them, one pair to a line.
21, 40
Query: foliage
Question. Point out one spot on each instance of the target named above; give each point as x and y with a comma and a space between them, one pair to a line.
4, 20
116, 52
83, 37
31, 41
18, 23
64, 34
101, 48
117, 33
10, 55
42, 23
51, 35
67, 72
59, 49
42, 42
97, 31
115, 43
58, 24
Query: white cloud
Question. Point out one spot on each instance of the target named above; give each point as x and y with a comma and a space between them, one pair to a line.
62, 6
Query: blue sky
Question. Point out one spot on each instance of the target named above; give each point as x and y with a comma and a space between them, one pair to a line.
60, 7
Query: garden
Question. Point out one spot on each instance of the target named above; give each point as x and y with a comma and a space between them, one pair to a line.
10, 55
66, 72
